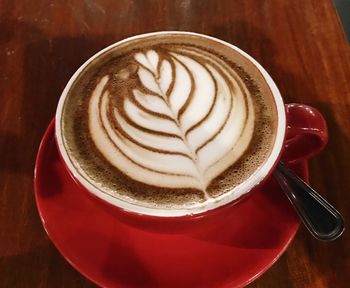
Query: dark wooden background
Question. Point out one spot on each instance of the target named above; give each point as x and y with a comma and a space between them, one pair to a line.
300, 43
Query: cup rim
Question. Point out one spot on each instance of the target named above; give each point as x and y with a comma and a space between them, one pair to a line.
259, 175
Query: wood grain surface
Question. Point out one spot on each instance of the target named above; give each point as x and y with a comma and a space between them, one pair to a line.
300, 43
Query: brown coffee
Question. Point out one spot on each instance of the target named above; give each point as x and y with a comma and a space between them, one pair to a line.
169, 121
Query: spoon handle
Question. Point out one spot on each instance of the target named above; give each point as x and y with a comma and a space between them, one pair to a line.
320, 218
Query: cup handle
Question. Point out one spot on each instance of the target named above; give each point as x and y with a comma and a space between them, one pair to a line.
306, 134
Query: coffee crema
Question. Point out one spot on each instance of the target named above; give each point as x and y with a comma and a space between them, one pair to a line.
169, 124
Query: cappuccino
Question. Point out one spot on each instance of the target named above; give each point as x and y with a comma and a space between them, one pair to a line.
169, 121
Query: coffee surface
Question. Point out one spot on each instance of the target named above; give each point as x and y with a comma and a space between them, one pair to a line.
168, 124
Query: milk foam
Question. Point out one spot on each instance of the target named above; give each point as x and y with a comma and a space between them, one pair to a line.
172, 117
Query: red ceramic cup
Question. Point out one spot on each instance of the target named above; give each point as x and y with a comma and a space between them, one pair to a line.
301, 133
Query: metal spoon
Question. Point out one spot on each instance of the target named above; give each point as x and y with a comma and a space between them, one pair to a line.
322, 220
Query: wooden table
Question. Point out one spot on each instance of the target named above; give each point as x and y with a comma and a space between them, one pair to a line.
300, 43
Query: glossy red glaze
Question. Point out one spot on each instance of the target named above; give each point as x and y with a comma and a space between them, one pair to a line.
229, 246
232, 249
307, 133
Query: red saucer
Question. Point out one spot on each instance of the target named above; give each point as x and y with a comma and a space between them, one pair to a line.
226, 252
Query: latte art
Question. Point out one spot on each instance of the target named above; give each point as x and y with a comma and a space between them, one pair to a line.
168, 125
183, 119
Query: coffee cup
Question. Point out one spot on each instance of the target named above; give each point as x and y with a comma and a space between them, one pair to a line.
216, 69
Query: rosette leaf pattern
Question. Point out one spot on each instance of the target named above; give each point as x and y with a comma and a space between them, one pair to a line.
175, 118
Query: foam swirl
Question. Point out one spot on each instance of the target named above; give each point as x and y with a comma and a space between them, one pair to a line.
172, 117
